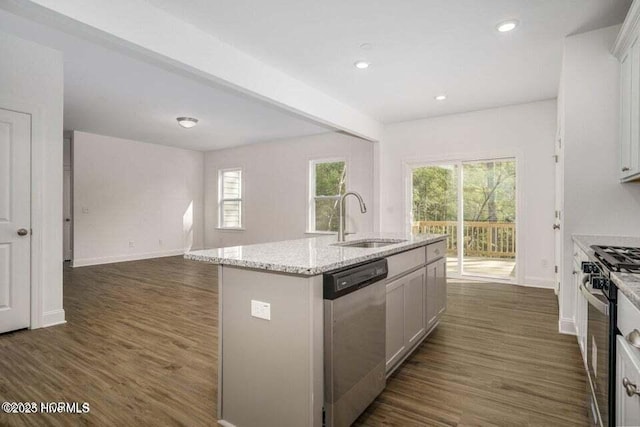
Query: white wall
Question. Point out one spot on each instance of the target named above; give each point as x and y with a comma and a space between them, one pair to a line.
128, 191
595, 202
276, 186
525, 131
31, 81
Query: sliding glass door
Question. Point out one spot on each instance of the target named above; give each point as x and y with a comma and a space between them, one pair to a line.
474, 202
435, 206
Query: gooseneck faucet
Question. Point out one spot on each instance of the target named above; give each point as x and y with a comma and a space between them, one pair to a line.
342, 225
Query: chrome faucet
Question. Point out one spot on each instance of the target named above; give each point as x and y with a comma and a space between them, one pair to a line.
342, 225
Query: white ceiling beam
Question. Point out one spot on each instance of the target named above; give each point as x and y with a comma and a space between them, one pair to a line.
150, 31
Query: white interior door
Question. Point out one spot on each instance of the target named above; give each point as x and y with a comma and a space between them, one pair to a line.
67, 215
15, 220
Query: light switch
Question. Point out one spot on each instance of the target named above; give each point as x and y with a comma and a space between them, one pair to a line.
261, 310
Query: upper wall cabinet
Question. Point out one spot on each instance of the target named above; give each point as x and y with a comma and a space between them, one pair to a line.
627, 50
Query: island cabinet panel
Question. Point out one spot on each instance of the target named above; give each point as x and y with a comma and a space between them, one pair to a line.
414, 315
436, 297
270, 367
395, 322
405, 315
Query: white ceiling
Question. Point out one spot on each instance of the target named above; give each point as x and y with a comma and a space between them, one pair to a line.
109, 93
419, 49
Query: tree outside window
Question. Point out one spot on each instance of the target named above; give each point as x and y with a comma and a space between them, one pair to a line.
328, 184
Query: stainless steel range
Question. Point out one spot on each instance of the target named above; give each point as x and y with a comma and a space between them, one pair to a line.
601, 294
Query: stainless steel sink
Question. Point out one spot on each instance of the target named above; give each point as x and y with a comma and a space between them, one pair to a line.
370, 243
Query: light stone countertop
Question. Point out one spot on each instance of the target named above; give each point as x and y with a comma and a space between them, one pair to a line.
311, 256
627, 283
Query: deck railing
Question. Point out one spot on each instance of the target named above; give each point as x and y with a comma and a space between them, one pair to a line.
485, 239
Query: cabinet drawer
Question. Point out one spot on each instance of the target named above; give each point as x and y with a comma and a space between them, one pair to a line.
436, 250
405, 261
628, 315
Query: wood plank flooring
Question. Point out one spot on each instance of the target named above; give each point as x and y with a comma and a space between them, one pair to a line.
140, 346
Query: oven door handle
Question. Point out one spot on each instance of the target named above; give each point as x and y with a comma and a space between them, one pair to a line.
595, 302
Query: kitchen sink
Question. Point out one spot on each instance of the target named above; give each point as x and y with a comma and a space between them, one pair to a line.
369, 243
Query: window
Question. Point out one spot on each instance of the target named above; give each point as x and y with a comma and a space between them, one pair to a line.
327, 183
230, 198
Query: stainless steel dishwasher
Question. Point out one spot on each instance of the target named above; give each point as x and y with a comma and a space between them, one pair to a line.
354, 340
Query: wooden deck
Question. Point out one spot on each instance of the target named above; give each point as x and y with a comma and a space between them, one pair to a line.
140, 346
503, 268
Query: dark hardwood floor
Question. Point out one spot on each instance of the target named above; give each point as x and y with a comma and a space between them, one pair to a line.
140, 346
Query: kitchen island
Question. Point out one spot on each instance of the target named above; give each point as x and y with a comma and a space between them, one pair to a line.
271, 330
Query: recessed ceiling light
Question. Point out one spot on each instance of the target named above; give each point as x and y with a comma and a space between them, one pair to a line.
507, 26
440, 97
361, 65
187, 122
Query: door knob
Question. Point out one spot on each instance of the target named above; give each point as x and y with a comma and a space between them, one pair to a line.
625, 169
67, 220
23, 232
556, 226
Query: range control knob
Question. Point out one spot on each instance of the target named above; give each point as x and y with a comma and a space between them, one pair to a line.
589, 267
600, 283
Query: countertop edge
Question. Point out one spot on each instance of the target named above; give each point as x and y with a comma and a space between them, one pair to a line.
301, 271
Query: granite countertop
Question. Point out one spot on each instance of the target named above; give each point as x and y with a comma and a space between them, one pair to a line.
627, 283
311, 256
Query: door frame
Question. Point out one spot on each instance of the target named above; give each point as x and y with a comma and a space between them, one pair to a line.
35, 111
409, 164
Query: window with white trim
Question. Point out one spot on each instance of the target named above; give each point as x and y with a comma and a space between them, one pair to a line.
230, 198
327, 183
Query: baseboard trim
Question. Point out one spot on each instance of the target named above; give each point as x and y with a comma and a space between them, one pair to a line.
539, 282
123, 258
53, 317
566, 326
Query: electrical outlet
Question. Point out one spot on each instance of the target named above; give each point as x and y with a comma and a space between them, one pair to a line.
85, 210
545, 263
132, 243
261, 310
160, 242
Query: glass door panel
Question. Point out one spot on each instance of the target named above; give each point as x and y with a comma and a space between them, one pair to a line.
435, 206
489, 229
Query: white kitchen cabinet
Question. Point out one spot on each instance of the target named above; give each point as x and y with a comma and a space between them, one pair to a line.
627, 364
436, 301
416, 299
627, 384
627, 50
405, 315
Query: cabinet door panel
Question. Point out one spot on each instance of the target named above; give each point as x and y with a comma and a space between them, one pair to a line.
432, 301
441, 277
395, 322
625, 115
414, 315
635, 109
627, 366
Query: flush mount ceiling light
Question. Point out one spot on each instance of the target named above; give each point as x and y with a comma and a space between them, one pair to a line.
506, 26
440, 97
187, 122
361, 65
